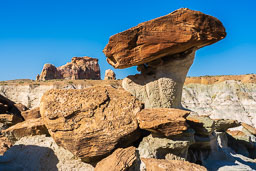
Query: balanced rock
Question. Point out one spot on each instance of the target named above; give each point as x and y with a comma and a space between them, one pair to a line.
222, 125
174, 33
168, 122
109, 75
171, 165
163, 49
26, 128
91, 122
78, 68
120, 160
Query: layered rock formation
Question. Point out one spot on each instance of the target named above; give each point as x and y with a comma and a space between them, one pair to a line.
163, 49
91, 122
78, 68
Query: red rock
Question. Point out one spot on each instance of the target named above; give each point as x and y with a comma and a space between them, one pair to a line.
174, 33
78, 68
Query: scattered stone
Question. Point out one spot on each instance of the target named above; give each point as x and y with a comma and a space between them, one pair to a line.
174, 33
26, 128
169, 122
92, 122
109, 75
40, 153
249, 128
171, 165
164, 148
222, 125
202, 125
31, 114
119, 160
78, 68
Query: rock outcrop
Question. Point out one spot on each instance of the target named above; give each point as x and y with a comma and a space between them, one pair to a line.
78, 68
163, 49
119, 160
92, 122
109, 75
31, 114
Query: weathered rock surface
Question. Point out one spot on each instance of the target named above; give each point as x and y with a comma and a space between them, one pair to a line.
160, 85
31, 93
165, 121
40, 153
119, 160
26, 128
91, 122
249, 128
164, 36
171, 165
31, 114
223, 100
78, 68
109, 75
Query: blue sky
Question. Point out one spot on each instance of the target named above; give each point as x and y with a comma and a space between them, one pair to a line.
33, 33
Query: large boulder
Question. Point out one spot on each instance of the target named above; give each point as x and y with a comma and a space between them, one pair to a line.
92, 122
120, 160
168, 122
174, 33
78, 68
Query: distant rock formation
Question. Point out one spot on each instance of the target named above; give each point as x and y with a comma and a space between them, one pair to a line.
78, 68
109, 75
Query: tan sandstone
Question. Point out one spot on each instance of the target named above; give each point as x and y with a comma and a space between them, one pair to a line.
91, 122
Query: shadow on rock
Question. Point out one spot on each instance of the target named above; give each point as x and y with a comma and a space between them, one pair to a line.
29, 158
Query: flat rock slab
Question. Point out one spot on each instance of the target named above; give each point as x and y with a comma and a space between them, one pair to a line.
171, 165
174, 33
166, 121
92, 122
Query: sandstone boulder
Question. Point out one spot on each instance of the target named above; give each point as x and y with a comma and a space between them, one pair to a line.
168, 122
31, 114
91, 122
109, 75
164, 36
171, 165
26, 128
78, 68
119, 160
